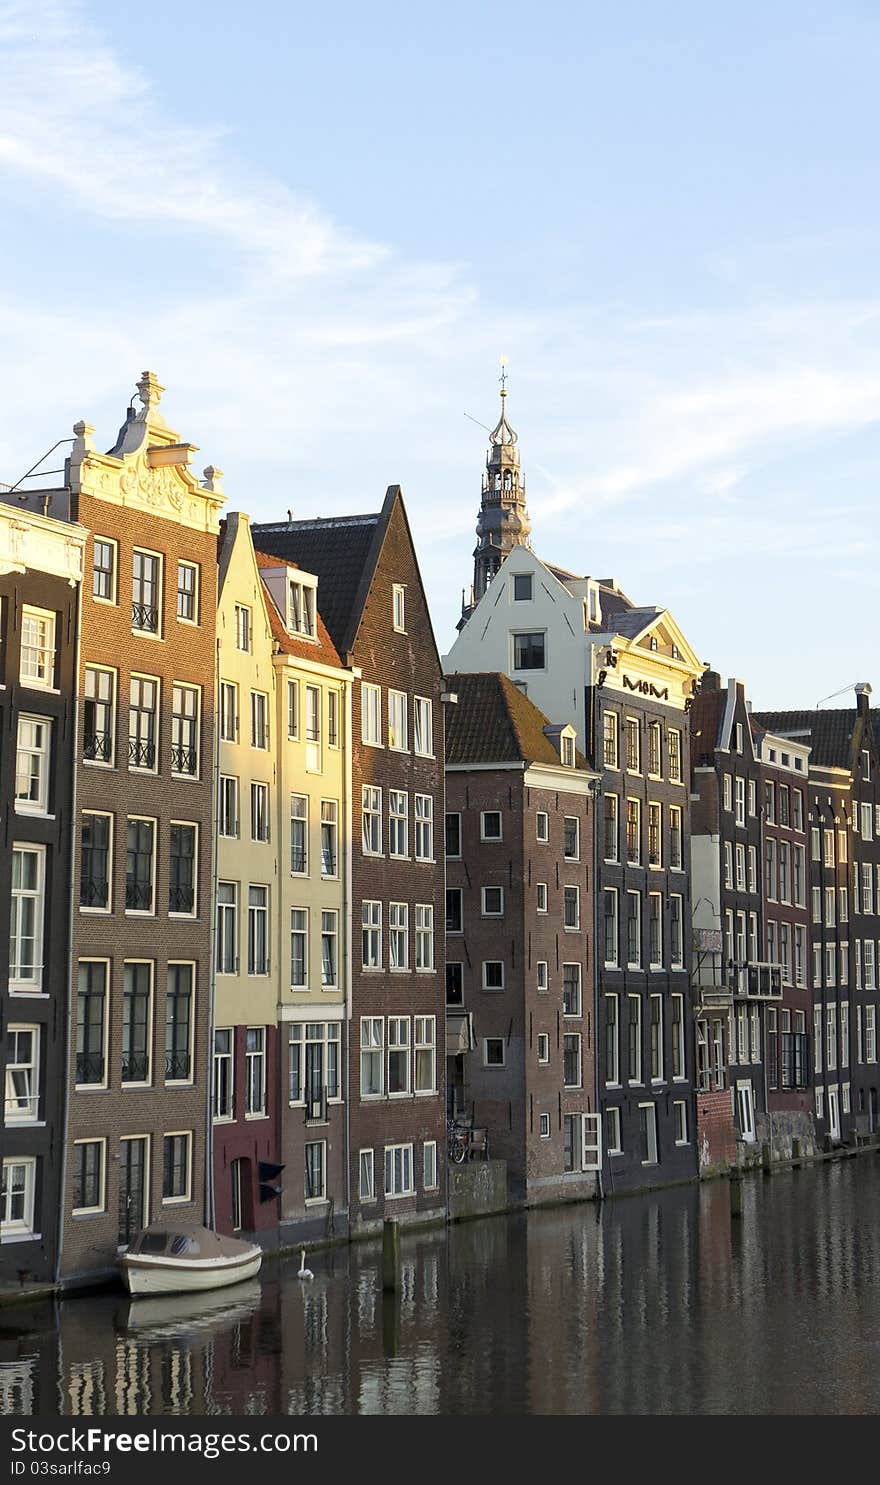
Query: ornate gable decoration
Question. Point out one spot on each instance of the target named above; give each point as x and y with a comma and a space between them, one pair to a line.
147, 469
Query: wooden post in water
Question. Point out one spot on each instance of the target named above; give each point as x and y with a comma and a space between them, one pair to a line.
795, 1154
390, 1254
736, 1192
766, 1160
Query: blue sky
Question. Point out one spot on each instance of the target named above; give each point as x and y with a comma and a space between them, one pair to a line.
322, 226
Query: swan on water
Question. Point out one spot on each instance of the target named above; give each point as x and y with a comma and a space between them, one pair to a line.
304, 1273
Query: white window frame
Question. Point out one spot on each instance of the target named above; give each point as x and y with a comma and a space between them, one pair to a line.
398, 607
101, 1142
31, 984
43, 756
371, 715
40, 675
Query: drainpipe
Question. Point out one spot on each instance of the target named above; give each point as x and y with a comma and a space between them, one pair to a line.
212, 968
591, 748
348, 929
71, 962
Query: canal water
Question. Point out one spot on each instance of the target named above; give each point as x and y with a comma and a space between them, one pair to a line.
653, 1304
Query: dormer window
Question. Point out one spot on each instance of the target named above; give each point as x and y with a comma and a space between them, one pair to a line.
676, 652
522, 587
301, 609
654, 644
567, 750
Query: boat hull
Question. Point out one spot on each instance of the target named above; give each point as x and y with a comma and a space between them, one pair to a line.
144, 1273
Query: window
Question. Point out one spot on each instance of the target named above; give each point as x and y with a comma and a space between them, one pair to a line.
634, 930
179, 1022
187, 592
674, 744
176, 1167
137, 1030
96, 836
611, 828
648, 1121
566, 750
299, 835
398, 607
293, 709
371, 934
21, 1099
453, 836
679, 1121
371, 715
633, 745
145, 592
571, 990
634, 1041
612, 1039
529, 651
228, 711
540, 897
329, 837
493, 974
371, 820
37, 648
544, 1122
313, 729
429, 1165
398, 823
32, 755
676, 936
493, 902
678, 1035
542, 827
611, 928
259, 812
753, 804
728, 864
313, 1069
185, 731
633, 832
143, 723
655, 835
493, 1051
609, 738
243, 628
656, 1041
259, 719
522, 587
740, 800
542, 982
91, 1002
424, 827
258, 930
223, 1074
844, 1033
870, 1033
17, 1197
140, 866
571, 907
798, 876
398, 1055
227, 921
255, 1071
655, 930
104, 570
301, 608
227, 824
315, 1171
299, 948
612, 1132
98, 715
366, 1176
867, 822
741, 867
655, 739
424, 936
372, 1052
490, 825
398, 935
398, 732
726, 792
425, 1047
398, 1170
182, 870
571, 838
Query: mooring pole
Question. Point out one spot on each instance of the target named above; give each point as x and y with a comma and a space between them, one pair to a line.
391, 1254
736, 1192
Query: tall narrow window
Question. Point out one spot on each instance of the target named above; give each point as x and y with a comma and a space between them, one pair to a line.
227, 821
98, 715
371, 834
91, 1002
634, 930
612, 1039
655, 930
313, 729
635, 1039
299, 948
227, 928
398, 731
136, 1023
143, 723
571, 990
259, 812
609, 736
259, 720
655, 739
176, 1167
332, 718
371, 921
37, 648
293, 709
188, 592
182, 870
398, 935
104, 570
258, 930
32, 754
633, 831
633, 745
656, 1038
185, 731
329, 838
372, 1054
228, 711
243, 628
425, 1046
398, 823
424, 827
674, 756
22, 1092
424, 936
655, 835
611, 848
676, 936
371, 714
398, 1054
299, 834
145, 592
678, 1035
95, 861
611, 928
140, 862
423, 727
675, 858
329, 953
179, 1024
255, 1071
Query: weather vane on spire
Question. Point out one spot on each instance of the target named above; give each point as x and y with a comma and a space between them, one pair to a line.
503, 377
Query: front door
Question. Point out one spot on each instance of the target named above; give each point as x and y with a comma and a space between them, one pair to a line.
132, 1188
833, 1114
746, 1110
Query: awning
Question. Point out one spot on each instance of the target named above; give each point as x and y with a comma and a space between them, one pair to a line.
459, 1033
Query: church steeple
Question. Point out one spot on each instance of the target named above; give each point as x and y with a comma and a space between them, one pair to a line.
503, 521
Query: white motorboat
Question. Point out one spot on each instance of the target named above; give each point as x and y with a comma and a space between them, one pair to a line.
174, 1260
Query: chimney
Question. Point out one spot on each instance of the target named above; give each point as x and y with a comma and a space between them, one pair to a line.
863, 698
710, 680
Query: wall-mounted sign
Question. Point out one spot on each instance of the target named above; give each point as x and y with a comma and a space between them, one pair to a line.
646, 688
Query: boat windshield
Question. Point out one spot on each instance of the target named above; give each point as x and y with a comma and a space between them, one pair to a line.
175, 1244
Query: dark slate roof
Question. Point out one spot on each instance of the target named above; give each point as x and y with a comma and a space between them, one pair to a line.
706, 716
338, 550
628, 622
829, 732
494, 722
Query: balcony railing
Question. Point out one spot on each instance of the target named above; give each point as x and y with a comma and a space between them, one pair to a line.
98, 747
328, 864
762, 981
145, 617
297, 859
89, 1067
178, 1067
142, 752
316, 1105
181, 899
94, 892
139, 895
183, 760
135, 1067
